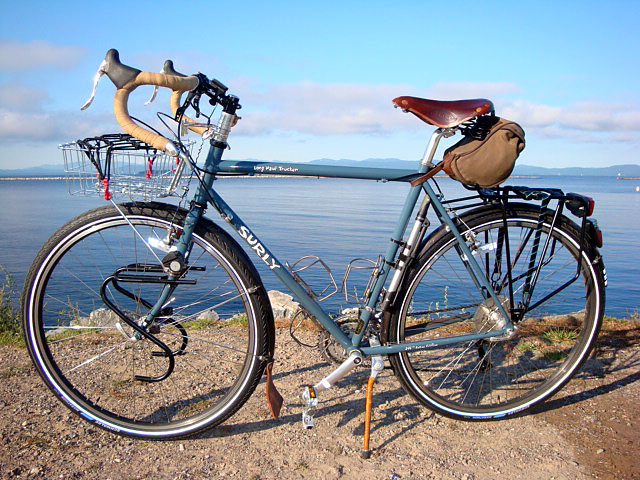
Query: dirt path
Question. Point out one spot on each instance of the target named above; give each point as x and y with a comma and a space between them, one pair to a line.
590, 429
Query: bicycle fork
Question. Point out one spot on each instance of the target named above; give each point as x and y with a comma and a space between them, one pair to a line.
166, 272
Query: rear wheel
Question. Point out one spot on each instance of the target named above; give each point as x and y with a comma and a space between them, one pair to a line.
500, 375
220, 329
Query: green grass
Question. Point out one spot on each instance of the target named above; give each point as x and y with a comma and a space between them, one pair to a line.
240, 319
554, 356
635, 316
559, 335
199, 323
66, 333
525, 346
10, 331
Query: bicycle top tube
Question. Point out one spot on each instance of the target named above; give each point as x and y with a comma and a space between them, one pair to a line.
309, 170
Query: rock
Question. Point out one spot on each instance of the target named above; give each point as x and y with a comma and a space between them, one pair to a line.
282, 304
210, 316
102, 317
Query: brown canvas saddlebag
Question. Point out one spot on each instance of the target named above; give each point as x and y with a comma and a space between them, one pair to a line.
487, 162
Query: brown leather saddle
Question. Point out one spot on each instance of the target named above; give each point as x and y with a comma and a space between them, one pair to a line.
444, 114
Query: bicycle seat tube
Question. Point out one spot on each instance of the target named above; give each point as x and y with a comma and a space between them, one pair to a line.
396, 238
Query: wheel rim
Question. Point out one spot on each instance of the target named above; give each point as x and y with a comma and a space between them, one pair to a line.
495, 378
90, 363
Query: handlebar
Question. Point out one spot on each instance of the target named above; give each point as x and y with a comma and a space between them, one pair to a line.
126, 79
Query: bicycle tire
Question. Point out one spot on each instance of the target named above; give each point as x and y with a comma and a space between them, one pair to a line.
497, 377
220, 329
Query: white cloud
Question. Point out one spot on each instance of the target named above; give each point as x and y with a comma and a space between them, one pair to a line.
27, 125
311, 108
462, 90
58, 127
17, 56
577, 117
322, 109
23, 98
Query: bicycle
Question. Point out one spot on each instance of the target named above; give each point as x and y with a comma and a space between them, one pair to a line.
148, 320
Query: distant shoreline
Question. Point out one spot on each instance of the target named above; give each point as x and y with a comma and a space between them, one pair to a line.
627, 171
238, 176
32, 178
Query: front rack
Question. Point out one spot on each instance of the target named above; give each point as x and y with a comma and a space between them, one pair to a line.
119, 165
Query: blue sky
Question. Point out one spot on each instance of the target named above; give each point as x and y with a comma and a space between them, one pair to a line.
317, 81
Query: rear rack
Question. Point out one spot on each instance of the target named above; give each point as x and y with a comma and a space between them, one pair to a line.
552, 205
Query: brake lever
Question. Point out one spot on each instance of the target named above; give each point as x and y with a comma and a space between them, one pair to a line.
117, 72
102, 69
153, 94
195, 103
167, 69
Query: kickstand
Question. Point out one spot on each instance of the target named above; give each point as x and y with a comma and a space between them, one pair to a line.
377, 365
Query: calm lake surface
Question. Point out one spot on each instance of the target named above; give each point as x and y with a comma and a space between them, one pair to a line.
337, 220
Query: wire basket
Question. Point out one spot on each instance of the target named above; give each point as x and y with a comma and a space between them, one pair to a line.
119, 165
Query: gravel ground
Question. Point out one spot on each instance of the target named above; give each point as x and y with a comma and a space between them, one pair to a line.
589, 430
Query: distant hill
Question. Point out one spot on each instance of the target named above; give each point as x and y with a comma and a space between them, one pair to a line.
41, 171
628, 170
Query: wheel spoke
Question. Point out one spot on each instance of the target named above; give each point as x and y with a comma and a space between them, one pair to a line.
508, 371
212, 327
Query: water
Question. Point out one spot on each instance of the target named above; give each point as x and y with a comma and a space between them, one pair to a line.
335, 219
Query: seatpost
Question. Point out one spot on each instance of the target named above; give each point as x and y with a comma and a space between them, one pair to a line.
429, 153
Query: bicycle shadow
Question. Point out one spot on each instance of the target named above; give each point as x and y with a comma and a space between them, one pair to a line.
601, 364
341, 404
348, 409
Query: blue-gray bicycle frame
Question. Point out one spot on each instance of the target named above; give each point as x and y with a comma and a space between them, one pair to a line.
205, 194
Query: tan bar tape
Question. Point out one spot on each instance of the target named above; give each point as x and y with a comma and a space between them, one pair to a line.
147, 78
175, 105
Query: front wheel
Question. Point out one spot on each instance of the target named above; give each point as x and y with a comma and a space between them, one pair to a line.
218, 328
500, 375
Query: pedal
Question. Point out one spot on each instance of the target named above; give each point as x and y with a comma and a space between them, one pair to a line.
311, 406
310, 394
